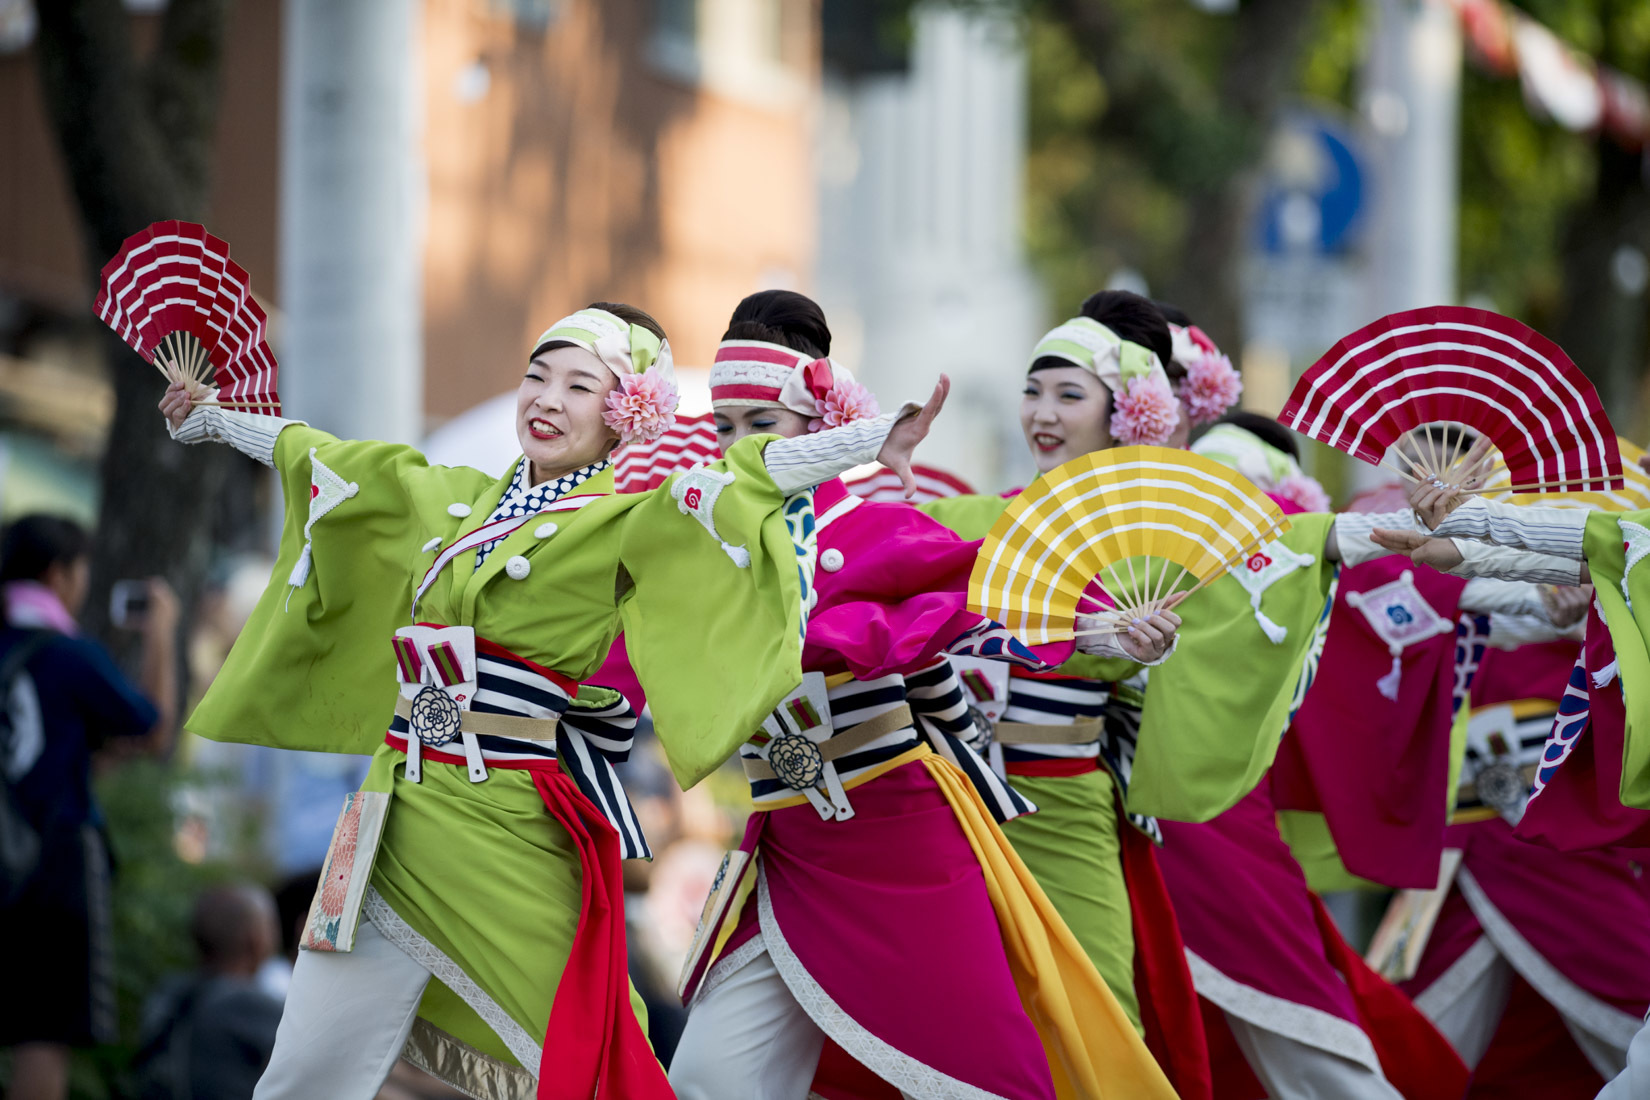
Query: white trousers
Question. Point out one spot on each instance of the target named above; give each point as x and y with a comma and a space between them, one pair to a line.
1633, 1083
747, 1039
1292, 1070
1471, 1019
347, 1017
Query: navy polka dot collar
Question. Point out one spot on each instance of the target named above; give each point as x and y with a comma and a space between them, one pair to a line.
523, 499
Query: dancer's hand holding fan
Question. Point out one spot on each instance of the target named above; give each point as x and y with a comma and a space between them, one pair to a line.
174, 295
1109, 540
1512, 388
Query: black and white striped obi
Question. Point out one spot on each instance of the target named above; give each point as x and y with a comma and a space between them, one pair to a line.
927, 707
1041, 700
587, 742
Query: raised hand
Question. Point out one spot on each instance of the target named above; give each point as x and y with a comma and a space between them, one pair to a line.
1147, 639
1439, 553
176, 404
1433, 501
902, 441
1566, 604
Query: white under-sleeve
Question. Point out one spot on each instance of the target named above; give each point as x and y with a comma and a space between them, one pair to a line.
1557, 531
808, 460
1484, 596
252, 434
1352, 533
1512, 631
1481, 559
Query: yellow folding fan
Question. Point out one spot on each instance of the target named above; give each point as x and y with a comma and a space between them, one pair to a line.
1151, 525
1633, 496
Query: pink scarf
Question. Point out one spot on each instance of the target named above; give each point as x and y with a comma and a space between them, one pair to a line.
31, 604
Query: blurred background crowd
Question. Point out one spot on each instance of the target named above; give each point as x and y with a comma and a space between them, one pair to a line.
418, 186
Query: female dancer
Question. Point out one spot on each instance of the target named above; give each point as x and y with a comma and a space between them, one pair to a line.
483, 846
1605, 549
873, 897
1071, 741
1506, 976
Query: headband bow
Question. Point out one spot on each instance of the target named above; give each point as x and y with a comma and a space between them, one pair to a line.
1212, 384
643, 406
755, 373
1144, 409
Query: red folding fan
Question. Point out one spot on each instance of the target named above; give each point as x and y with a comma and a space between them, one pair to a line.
1498, 378
885, 487
690, 442
176, 297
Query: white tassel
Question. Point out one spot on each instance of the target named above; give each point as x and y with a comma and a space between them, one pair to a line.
300, 571
300, 574
1605, 675
741, 557
1274, 633
1388, 685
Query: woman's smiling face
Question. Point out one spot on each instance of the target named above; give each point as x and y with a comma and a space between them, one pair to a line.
1064, 415
559, 407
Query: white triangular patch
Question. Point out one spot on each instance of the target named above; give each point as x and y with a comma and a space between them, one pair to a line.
1260, 571
1635, 540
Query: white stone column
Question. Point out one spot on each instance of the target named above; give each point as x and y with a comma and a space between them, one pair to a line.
351, 217
921, 266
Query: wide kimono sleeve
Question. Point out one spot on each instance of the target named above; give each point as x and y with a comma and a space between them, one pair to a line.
713, 613
313, 668
970, 516
1216, 711
1616, 545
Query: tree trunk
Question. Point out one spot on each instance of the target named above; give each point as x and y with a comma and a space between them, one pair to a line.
1205, 149
136, 140
1602, 324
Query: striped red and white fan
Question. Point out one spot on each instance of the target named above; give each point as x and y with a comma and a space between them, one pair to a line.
690, 442
884, 486
1498, 378
176, 297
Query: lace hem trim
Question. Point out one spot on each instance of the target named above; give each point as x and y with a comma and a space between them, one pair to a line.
1579, 1007
728, 965
463, 1068
1312, 1026
433, 959
913, 1078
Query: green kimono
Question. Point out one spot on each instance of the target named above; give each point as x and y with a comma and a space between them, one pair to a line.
477, 880
1606, 547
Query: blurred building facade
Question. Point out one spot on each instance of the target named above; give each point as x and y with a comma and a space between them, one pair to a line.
922, 267
653, 151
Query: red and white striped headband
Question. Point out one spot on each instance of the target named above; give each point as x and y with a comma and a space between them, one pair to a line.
753, 372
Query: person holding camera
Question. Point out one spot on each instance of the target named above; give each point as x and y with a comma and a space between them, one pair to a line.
62, 698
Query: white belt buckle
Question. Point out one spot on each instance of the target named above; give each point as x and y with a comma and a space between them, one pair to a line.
796, 729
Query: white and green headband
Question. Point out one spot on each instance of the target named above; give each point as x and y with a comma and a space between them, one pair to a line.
1144, 409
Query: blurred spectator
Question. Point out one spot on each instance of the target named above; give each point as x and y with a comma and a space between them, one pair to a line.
208, 1035
61, 699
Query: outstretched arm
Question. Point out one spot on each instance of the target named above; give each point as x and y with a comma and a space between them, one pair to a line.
807, 460
252, 434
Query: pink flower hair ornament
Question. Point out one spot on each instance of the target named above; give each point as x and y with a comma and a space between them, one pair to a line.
1212, 384
1144, 411
836, 398
642, 407
1211, 387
